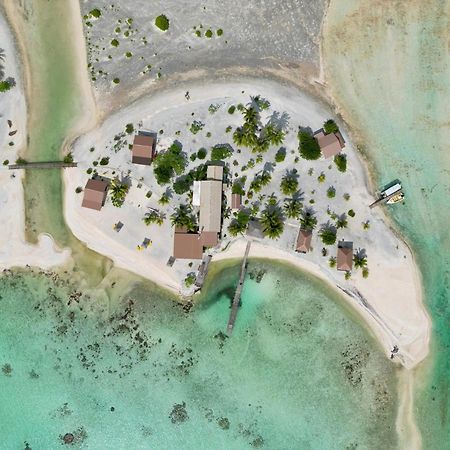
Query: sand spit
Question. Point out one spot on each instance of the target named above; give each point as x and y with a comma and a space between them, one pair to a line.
14, 249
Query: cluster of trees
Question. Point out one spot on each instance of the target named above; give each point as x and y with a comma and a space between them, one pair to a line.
183, 184
252, 133
168, 163
118, 191
184, 217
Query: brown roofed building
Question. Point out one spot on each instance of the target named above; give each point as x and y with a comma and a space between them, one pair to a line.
304, 241
330, 144
214, 173
236, 201
94, 194
143, 150
211, 206
209, 239
187, 245
345, 256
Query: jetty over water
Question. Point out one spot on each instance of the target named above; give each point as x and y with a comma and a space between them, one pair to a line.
237, 294
43, 165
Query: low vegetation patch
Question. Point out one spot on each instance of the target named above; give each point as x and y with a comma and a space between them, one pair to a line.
162, 22
341, 162
308, 146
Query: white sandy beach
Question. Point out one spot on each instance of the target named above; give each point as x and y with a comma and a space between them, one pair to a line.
14, 250
390, 300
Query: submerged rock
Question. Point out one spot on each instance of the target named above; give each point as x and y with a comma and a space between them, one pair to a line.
179, 413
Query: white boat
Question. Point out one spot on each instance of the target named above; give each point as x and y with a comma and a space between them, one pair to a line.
396, 198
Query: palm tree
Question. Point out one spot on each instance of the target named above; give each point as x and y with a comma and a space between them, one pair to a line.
360, 260
272, 222
118, 191
251, 116
342, 222
239, 136
308, 220
183, 217
239, 224
274, 134
164, 199
289, 184
293, 208
154, 217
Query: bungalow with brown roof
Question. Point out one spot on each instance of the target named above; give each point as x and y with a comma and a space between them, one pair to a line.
345, 256
236, 201
191, 245
95, 194
143, 150
304, 241
330, 144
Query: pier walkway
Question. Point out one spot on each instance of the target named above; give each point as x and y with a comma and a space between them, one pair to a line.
43, 165
237, 294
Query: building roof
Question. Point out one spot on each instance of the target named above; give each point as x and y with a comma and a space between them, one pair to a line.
211, 206
209, 238
304, 241
187, 246
94, 194
236, 201
329, 144
196, 188
214, 173
143, 149
345, 258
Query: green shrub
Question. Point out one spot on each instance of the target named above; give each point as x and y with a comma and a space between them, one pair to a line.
78, 189
129, 129
5, 162
6, 85
219, 32
182, 185
208, 33
231, 109
162, 22
21, 161
331, 192
321, 178
328, 236
170, 162
201, 154
196, 126
190, 279
104, 161
280, 155
351, 213
68, 158
220, 152
95, 13
308, 146
341, 162
115, 43
116, 80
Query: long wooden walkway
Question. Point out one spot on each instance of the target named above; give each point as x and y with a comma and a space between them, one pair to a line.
43, 165
237, 294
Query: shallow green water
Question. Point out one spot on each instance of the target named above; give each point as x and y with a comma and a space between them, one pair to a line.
394, 90
297, 372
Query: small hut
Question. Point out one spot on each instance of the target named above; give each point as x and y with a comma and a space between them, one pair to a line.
304, 241
143, 151
95, 194
345, 256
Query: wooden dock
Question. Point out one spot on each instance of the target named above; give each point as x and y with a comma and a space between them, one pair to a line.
43, 165
237, 294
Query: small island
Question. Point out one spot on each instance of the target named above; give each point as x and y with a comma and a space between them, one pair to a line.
186, 177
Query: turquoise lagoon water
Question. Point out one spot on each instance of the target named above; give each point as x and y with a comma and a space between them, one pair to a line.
393, 90
137, 371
